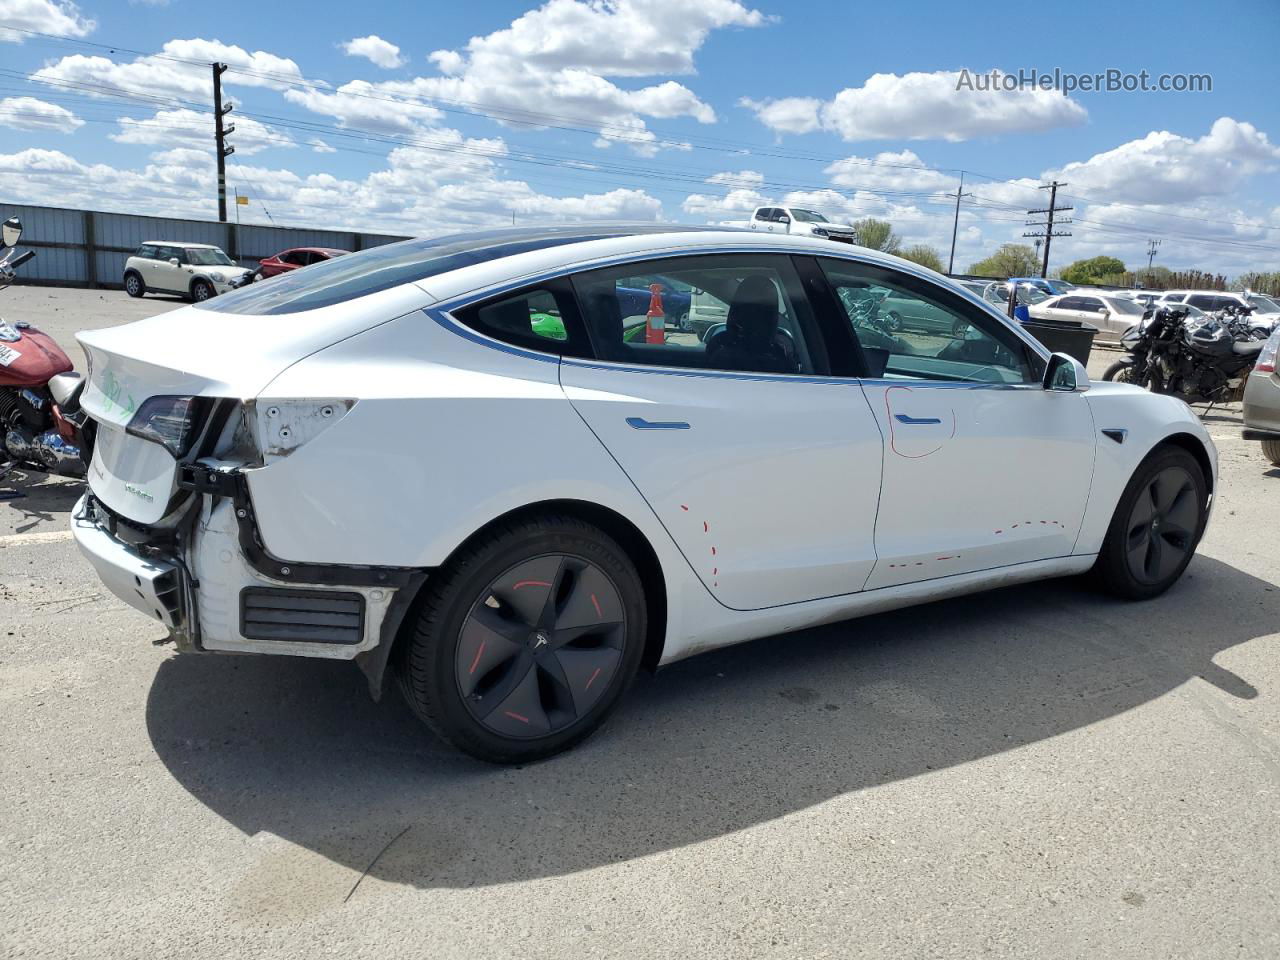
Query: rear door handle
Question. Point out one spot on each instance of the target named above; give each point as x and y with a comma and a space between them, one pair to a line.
640, 423
915, 421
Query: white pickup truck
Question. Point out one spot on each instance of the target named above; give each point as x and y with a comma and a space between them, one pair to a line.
803, 222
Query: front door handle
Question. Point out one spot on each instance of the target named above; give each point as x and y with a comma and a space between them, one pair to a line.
640, 423
915, 421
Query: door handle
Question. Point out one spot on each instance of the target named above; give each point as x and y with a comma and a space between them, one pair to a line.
640, 423
915, 421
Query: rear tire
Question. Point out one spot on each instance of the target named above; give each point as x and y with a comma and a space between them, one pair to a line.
1271, 450
515, 631
1156, 526
133, 285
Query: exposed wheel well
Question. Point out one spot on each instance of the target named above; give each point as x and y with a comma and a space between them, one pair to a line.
1194, 447
614, 524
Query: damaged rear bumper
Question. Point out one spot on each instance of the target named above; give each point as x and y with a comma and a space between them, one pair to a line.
217, 588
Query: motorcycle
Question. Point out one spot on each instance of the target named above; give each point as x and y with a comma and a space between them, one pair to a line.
41, 424
1206, 360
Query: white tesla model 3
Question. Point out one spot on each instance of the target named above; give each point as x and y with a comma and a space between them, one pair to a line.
495, 467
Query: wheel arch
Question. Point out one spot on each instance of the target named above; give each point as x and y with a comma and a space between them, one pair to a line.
620, 528
1193, 445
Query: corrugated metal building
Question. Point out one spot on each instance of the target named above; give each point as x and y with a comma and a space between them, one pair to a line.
79, 248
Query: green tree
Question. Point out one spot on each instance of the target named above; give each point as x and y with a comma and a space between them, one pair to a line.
877, 234
1093, 270
922, 254
1011, 260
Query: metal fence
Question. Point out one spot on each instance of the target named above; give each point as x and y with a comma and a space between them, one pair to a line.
88, 248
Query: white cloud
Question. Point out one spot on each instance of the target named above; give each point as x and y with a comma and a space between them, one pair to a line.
62, 19
28, 113
319, 146
788, 114
743, 178
195, 128
901, 171
155, 76
377, 51
1164, 167
920, 106
416, 192
553, 65
385, 108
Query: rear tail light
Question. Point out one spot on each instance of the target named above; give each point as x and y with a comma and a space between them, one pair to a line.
1266, 362
168, 421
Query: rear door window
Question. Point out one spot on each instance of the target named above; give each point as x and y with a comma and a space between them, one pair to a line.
734, 312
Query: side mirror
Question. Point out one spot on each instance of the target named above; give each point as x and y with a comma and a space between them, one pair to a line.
1099, 309
173, 261
1065, 374
10, 232
783, 218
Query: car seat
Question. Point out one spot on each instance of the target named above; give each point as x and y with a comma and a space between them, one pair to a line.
750, 338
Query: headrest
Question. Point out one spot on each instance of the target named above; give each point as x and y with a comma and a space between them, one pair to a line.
753, 315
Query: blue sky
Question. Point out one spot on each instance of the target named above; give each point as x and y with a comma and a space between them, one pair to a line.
404, 117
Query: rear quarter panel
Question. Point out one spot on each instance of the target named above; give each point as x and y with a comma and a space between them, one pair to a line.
447, 434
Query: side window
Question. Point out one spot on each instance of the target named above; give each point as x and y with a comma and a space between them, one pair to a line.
147, 252
170, 252
537, 318
1089, 303
1175, 297
1200, 300
738, 312
914, 330
764, 214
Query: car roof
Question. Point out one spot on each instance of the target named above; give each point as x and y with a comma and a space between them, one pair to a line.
179, 243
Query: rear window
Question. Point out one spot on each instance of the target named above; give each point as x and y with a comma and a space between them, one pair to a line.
380, 268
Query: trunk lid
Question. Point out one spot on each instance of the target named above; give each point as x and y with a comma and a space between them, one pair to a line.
198, 352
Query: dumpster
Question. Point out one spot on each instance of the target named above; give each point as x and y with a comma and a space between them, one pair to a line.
1064, 336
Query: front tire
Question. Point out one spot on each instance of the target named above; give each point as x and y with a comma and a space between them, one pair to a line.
526, 641
1271, 450
133, 285
201, 291
1156, 526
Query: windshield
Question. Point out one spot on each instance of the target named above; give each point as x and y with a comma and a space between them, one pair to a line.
1265, 304
807, 216
1064, 285
208, 257
1029, 294
1125, 306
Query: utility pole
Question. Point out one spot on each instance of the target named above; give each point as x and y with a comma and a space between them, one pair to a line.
1151, 252
955, 226
1048, 233
220, 133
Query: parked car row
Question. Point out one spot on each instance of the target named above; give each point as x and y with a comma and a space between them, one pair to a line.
199, 271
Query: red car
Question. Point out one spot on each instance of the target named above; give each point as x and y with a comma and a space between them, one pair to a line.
287, 260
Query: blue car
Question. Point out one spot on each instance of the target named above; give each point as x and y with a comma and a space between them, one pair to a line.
633, 298
1050, 286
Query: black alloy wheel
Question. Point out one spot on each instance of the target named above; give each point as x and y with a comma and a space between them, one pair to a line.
1162, 525
1156, 526
526, 639
540, 646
